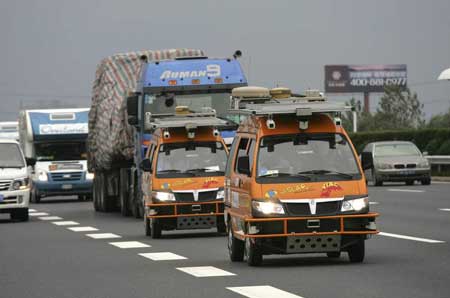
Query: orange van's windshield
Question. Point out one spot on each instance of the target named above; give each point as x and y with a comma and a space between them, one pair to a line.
306, 157
191, 159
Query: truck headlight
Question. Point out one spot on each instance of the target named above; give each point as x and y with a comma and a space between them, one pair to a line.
220, 195
42, 176
20, 184
90, 176
163, 196
267, 208
355, 204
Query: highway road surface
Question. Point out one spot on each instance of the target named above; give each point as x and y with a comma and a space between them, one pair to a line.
67, 250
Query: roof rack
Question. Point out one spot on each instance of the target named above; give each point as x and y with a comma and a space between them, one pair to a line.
184, 118
265, 104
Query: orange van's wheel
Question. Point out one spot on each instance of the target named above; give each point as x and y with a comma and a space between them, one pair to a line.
147, 226
235, 246
253, 253
156, 229
356, 252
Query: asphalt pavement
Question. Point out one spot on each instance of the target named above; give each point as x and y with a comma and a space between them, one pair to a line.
65, 250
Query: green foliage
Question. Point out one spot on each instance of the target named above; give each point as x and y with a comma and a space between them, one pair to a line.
434, 141
440, 121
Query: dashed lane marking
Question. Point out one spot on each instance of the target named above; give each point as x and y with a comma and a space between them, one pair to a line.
83, 229
373, 203
32, 210
405, 190
65, 223
129, 244
103, 236
262, 292
38, 214
410, 238
50, 218
162, 256
205, 271
444, 209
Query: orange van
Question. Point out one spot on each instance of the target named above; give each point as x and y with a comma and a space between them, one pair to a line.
184, 174
293, 182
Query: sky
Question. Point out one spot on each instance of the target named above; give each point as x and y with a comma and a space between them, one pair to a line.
49, 49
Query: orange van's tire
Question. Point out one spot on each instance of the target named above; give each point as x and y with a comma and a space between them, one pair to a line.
253, 253
235, 246
356, 252
147, 226
156, 229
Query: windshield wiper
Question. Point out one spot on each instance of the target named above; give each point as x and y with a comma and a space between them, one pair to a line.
325, 172
204, 170
169, 171
284, 175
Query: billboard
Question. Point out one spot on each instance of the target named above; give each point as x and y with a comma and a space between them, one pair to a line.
363, 78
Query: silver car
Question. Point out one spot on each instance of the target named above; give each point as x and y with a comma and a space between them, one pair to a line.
395, 161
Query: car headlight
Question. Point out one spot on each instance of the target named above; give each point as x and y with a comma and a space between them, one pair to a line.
423, 164
267, 208
384, 166
90, 176
220, 194
20, 184
42, 176
163, 196
355, 204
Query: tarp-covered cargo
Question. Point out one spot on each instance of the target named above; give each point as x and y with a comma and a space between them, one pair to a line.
110, 136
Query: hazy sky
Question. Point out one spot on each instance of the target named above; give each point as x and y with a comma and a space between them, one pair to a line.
49, 48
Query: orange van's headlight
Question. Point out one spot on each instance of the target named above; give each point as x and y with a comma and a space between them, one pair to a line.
267, 208
163, 196
355, 204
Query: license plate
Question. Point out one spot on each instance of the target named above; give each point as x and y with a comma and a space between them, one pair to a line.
66, 186
407, 172
1, 198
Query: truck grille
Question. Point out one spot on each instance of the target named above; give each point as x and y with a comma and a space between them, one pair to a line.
71, 176
5, 184
202, 196
322, 208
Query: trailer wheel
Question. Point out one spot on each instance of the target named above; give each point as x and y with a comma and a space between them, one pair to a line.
124, 193
95, 199
156, 229
105, 203
253, 253
235, 246
356, 251
426, 181
409, 182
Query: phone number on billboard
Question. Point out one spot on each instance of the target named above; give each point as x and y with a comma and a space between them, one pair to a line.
378, 82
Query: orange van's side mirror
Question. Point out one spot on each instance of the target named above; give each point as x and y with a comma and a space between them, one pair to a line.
243, 165
366, 160
146, 165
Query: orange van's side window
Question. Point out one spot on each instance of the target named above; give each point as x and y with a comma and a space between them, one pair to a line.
250, 153
231, 156
242, 151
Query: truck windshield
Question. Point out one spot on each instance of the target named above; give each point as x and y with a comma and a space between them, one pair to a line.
10, 156
396, 150
306, 157
202, 159
166, 103
60, 151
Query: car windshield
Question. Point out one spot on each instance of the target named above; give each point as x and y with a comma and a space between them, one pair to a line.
10, 156
306, 157
60, 151
166, 103
400, 149
191, 159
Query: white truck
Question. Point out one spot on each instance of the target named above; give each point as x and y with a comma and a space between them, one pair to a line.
56, 141
14, 181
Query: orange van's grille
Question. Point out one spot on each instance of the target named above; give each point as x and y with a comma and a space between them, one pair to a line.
302, 209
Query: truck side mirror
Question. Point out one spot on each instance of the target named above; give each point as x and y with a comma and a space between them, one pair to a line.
132, 109
146, 165
30, 162
366, 160
243, 165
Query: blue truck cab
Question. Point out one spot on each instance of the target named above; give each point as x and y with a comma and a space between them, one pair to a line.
56, 141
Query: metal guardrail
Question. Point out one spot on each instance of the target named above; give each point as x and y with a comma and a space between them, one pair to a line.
438, 159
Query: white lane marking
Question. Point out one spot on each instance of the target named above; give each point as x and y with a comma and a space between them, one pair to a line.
162, 256
440, 182
405, 190
32, 210
444, 209
129, 244
262, 292
410, 238
103, 236
373, 203
205, 271
83, 229
38, 214
65, 223
50, 218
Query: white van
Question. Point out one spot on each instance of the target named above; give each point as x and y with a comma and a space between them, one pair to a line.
14, 181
